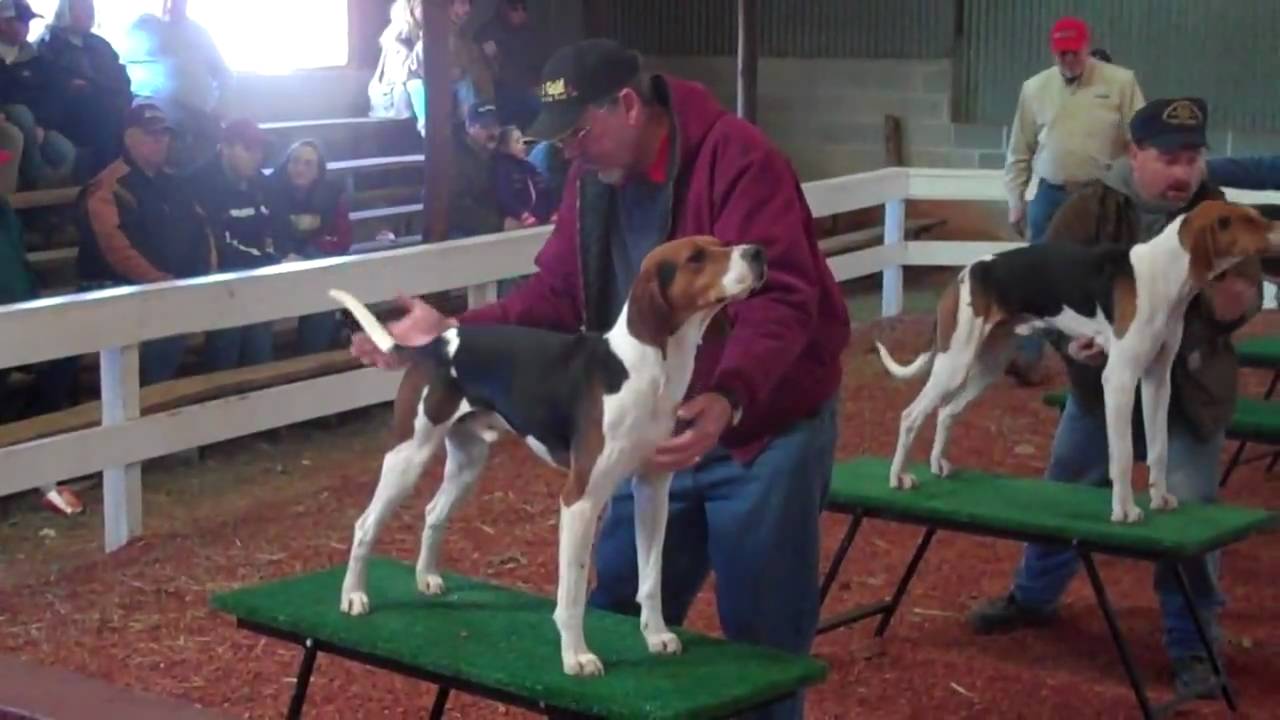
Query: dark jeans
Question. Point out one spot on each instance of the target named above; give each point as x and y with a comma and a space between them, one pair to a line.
238, 346
1028, 349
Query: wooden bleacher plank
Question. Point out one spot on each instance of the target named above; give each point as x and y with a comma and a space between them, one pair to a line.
43, 198
386, 212
330, 122
180, 392
912, 229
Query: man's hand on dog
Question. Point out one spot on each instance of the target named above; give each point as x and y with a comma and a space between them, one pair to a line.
1087, 351
707, 416
1232, 297
420, 325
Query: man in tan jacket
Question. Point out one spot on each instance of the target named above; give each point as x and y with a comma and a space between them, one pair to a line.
1070, 122
1162, 176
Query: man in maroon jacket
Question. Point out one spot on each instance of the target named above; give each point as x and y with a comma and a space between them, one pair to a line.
655, 158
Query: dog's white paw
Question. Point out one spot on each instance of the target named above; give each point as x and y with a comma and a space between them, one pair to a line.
583, 664
355, 603
664, 643
1129, 513
1163, 501
430, 584
940, 467
902, 481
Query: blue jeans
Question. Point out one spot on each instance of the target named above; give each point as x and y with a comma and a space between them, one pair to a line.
45, 164
160, 359
1079, 455
418, 96
317, 332
238, 346
1028, 349
756, 527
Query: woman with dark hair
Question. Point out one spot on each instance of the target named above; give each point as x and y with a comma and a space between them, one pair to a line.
312, 220
99, 91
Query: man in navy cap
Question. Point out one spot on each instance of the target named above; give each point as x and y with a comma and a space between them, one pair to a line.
1161, 177
653, 158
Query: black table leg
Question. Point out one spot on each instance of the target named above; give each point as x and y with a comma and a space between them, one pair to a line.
855, 521
901, 590
1232, 463
303, 680
1214, 661
442, 699
1107, 613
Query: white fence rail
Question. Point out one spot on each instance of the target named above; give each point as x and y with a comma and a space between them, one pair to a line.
113, 323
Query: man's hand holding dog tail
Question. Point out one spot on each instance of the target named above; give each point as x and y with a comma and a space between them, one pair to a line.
420, 324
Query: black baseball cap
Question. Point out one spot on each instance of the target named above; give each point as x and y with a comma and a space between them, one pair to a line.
577, 76
147, 116
1171, 124
482, 113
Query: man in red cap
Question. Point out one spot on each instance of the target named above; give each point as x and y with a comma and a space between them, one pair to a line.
1070, 123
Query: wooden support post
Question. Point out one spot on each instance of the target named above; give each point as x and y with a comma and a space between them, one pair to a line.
121, 486
895, 212
893, 141
595, 18
436, 63
748, 57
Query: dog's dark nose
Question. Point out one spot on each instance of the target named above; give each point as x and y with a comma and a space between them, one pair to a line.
754, 254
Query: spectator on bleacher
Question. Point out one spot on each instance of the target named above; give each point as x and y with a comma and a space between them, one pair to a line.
1069, 122
517, 49
472, 79
99, 85
232, 191
396, 89
174, 64
11, 144
311, 216
473, 205
33, 91
549, 158
520, 189
53, 386
140, 224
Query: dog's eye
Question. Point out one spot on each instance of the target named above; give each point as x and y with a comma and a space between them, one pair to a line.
697, 256
1224, 222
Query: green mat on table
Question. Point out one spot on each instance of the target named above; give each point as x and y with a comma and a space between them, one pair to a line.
1253, 419
1055, 510
1259, 351
505, 639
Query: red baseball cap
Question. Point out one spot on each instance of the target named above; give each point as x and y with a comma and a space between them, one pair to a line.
1069, 34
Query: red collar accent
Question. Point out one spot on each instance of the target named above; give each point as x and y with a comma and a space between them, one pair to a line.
657, 171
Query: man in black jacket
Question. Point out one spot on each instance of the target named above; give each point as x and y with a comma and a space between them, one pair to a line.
33, 94
231, 189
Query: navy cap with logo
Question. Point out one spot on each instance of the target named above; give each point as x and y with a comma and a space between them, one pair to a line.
576, 77
1171, 124
148, 117
482, 113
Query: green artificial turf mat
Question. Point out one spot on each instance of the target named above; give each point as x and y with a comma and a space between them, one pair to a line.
506, 640
1056, 510
1253, 418
1260, 351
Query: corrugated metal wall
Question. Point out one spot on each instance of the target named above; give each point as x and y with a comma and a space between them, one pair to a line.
790, 28
1223, 50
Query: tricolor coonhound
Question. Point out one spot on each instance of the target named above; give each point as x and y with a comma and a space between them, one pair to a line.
1130, 301
594, 405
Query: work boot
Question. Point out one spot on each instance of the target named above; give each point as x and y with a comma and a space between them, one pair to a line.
1004, 614
1193, 678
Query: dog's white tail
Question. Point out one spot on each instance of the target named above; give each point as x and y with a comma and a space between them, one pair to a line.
918, 366
374, 329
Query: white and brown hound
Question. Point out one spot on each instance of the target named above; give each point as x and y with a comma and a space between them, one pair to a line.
593, 405
1129, 301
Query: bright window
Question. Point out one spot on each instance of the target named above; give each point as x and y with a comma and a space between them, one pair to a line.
254, 36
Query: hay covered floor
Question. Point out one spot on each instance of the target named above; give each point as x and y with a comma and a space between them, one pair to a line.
271, 506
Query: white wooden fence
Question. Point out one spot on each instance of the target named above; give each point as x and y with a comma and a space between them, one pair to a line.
113, 323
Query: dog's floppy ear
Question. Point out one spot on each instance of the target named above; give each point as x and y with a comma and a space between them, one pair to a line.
650, 317
1199, 236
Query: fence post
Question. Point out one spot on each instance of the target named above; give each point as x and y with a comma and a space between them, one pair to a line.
482, 294
895, 212
121, 486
